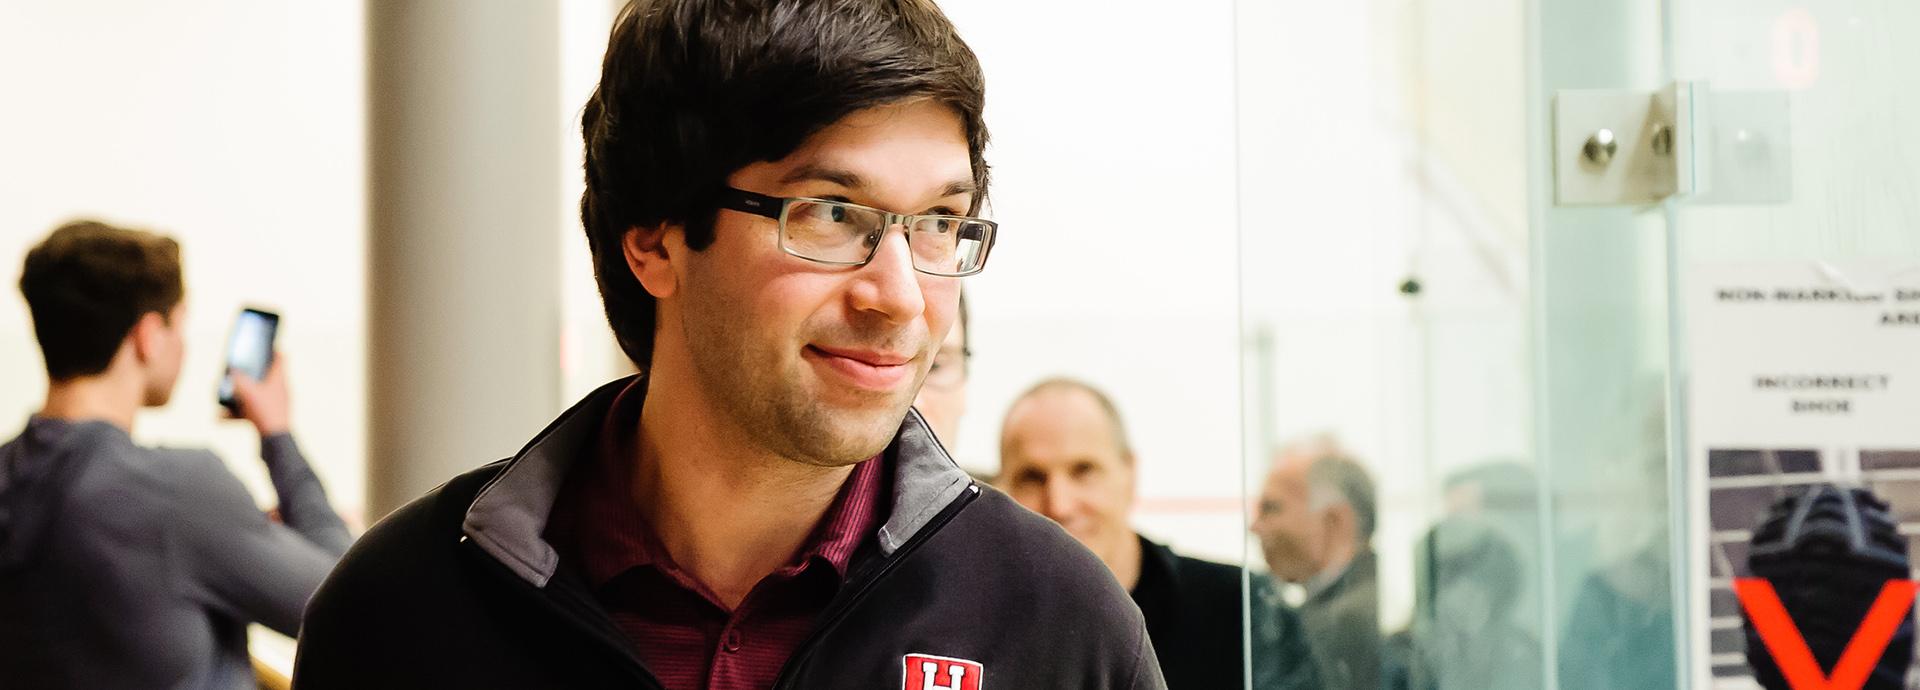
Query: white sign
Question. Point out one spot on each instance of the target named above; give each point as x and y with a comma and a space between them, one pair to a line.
1797, 373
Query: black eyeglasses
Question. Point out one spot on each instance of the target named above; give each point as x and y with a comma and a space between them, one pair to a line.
842, 233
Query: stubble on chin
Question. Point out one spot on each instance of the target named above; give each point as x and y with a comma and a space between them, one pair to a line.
818, 431
822, 436
781, 409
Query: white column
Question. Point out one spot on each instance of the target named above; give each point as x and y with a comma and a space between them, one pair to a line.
464, 286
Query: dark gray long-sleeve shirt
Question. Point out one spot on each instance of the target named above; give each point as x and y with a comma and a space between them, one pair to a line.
131, 567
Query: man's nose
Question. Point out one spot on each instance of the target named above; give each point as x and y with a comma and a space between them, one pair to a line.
888, 285
1060, 501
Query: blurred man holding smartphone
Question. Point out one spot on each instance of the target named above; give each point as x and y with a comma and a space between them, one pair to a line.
124, 566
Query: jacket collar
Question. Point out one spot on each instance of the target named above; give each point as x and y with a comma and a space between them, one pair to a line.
1160, 560
508, 518
1358, 572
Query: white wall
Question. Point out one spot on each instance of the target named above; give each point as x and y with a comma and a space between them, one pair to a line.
1113, 170
235, 127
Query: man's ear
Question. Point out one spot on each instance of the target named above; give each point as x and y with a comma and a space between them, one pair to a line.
147, 336
651, 253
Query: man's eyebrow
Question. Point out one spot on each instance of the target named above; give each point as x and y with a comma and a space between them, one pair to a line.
842, 177
960, 187
852, 180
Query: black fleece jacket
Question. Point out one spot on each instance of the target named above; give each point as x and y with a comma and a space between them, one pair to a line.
458, 589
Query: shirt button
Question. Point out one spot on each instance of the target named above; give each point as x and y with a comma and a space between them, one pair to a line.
732, 643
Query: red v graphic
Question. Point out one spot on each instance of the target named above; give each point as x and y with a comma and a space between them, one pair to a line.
1789, 647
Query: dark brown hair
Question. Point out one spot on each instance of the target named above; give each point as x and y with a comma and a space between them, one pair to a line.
693, 90
88, 283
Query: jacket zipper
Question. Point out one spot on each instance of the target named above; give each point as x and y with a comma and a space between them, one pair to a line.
832, 618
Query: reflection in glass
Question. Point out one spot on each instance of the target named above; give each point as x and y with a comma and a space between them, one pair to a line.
1465, 634
1315, 522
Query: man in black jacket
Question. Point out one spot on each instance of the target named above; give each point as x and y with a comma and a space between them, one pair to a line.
780, 201
1064, 453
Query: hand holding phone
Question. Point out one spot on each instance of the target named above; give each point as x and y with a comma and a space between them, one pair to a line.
254, 387
264, 402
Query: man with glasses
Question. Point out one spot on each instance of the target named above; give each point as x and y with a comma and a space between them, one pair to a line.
780, 200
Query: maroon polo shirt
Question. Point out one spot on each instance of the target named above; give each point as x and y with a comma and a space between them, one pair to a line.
677, 625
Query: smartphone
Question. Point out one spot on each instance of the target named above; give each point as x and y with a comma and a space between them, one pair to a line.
250, 350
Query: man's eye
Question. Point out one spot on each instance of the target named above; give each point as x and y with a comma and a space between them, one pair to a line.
829, 214
825, 213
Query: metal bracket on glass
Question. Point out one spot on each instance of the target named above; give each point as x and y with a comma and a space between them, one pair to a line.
1625, 147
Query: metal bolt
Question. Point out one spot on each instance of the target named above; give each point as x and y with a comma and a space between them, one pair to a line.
1662, 140
1600, 147
1752, 149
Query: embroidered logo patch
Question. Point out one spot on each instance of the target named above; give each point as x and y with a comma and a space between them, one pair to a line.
928, 672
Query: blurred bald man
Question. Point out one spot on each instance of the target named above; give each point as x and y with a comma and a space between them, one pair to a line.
1064, 454
1315, 525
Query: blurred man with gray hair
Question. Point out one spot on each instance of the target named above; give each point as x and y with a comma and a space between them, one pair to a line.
1315, 523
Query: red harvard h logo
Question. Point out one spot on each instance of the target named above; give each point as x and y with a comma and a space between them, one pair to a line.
928, 672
